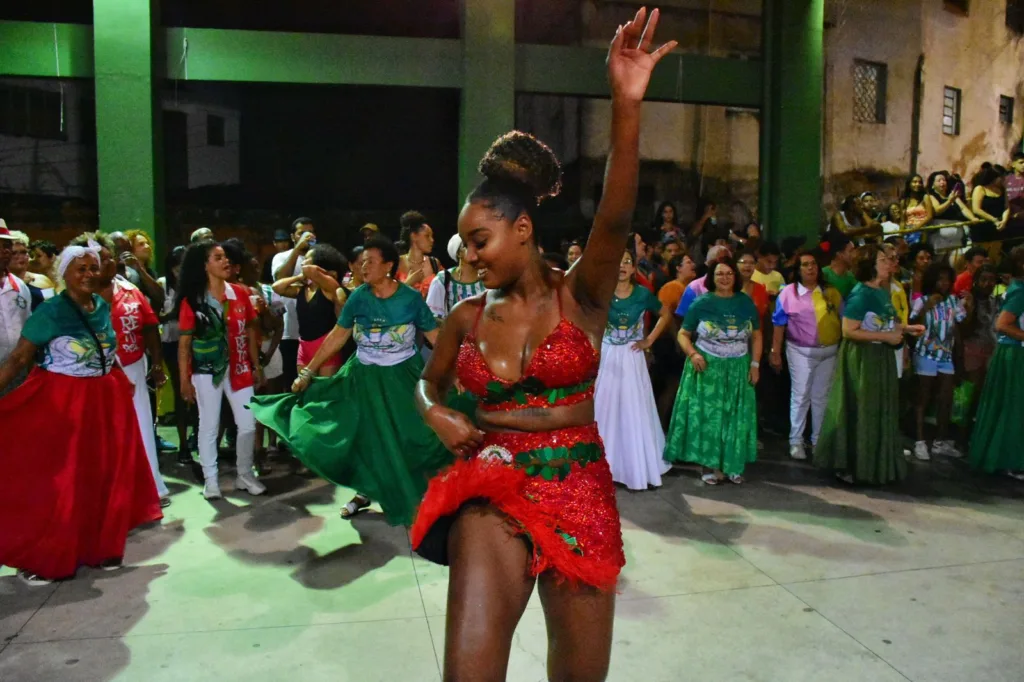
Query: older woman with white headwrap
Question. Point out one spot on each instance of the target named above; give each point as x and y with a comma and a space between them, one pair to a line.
82, 482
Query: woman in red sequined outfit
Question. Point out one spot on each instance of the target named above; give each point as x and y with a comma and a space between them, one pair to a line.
531, 498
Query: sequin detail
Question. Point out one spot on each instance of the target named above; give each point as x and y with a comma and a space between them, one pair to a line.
572, 523
566, 359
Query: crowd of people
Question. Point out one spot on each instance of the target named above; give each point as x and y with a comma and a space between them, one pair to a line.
491, 406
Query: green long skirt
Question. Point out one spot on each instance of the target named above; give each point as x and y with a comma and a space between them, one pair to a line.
997, 443
861, 435
714, 421
360, 429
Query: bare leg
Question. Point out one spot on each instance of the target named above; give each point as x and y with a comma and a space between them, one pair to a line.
944, 405
925, 386
488, 589
579, 630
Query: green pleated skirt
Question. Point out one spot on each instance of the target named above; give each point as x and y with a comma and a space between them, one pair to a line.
714, 420
997, 443
360, 429
860, 435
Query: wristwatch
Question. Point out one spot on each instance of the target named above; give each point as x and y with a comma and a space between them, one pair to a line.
755, 363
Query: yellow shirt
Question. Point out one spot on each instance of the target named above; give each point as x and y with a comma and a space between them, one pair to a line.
899, 301
773, 281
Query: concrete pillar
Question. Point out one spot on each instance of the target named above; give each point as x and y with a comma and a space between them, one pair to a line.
791, 117
128, 139
488, 82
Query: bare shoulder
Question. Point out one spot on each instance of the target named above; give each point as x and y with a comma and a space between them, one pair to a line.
464, 314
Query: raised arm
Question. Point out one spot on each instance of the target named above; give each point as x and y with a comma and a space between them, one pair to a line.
288, 287
630, 65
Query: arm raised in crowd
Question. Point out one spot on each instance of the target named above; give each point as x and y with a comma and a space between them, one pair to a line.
630, 64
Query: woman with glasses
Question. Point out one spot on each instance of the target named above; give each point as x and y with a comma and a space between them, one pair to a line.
808, 327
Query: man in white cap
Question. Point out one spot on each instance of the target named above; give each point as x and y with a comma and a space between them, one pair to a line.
15, 301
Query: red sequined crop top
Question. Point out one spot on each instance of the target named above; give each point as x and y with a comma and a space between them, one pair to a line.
561, 371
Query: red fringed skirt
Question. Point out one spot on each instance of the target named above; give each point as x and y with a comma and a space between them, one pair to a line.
76, 475
557, 491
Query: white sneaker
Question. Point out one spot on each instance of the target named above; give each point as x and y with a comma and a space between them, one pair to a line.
211, 490
247, 482
32, 579
946, 448
797, 451
921, 451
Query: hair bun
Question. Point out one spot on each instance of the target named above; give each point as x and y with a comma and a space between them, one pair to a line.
520, 158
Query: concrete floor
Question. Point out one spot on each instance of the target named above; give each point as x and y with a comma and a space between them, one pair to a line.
786, 578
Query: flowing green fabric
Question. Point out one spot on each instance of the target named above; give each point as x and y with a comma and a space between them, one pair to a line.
714, 421
997, 443
360, 429
861, 435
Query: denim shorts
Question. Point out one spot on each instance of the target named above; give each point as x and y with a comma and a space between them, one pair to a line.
929, 367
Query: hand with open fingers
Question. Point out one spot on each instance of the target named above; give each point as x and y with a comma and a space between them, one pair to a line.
455, 430
630, 59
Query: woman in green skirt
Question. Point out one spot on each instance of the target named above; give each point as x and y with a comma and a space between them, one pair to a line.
359, 428
860, 437
714, 421
997, 443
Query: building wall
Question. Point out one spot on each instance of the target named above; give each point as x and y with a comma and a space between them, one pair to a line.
973, 52
858, 156
210, 165
65, 168
983, 58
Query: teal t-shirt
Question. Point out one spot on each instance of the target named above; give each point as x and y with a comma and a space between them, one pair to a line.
626, 316
723, 325
844, 283
67, 346
1013, 303
872, 308
384, 329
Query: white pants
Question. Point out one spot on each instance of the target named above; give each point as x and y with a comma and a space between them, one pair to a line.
810, 372
209, 399
136, 373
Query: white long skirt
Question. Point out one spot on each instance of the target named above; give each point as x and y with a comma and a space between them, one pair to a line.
627, 418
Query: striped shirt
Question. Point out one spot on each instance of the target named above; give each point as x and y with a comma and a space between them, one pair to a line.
939, 328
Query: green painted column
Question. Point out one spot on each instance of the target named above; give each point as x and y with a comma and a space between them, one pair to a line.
488, 82
128, 117
791, 117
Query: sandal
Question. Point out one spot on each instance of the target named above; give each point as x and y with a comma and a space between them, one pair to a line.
735, 478
354, 506
711, 479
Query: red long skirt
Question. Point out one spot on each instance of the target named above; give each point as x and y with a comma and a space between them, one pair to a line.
76, 478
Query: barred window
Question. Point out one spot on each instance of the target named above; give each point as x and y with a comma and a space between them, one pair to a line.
1006, 110
869, 85
27, 112
951, 110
